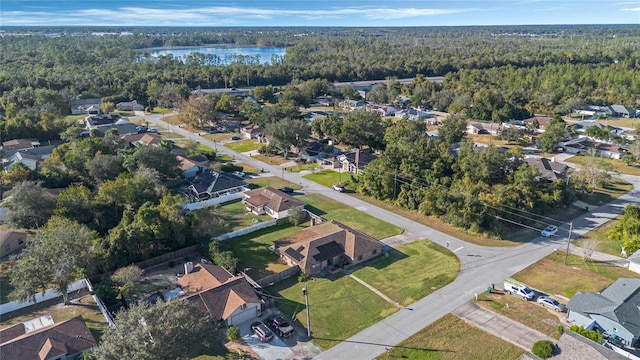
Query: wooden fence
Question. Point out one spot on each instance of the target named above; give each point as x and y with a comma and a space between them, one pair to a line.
284, 274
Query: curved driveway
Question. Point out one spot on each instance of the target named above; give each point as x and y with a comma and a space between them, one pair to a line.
481, 266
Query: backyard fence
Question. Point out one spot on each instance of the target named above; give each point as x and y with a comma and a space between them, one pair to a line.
214, 201
174, 255
40, 297
284, 274
101, 306
246, 230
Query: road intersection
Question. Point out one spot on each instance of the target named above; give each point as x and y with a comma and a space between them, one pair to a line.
480, 266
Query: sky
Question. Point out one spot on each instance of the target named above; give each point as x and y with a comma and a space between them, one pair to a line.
279, 13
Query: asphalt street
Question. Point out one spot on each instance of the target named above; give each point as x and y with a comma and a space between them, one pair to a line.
480, 266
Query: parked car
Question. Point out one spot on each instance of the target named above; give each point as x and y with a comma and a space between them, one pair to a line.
239, 174
286, 189
338, 187
549, 231
280, 326
235, 138
153, 130
520, 290
141, 129
262, 331
551, 304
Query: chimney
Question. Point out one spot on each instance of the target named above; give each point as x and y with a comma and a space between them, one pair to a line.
188, 267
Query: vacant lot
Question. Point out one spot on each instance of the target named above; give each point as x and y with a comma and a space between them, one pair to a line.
339, 306
329, 178
452, 338
243, 145
301, 167
273, 181
273, 160
396, 276
236, 215
552, 276
601, 235
84, 306
331, 209
617, 165
610, 192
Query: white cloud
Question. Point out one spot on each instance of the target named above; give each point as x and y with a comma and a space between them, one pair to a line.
631, 9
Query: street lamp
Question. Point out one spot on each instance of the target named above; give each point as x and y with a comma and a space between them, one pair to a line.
568, 242
305, 292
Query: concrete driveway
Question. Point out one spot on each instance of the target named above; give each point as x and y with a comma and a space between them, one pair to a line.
274, 349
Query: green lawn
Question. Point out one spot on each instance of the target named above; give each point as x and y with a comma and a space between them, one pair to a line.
273, 181
396, 276
254, 251
552, 276
236, 215
331, 209
601, 234
329, 178
616, 165
452, 338
86, 307
610, 192
243, 145
301, 167
339, 307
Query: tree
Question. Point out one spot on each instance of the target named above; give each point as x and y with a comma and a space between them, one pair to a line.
593, 174
57, 254
233, 333
107, 107
19, 172
127, 275
76, 203
511, 134
363, 127
553, 133
297, 215
543, 349
453, 129
173, 330
287, 133
105, 167
627, 230
158, 158
199, 111
31, 205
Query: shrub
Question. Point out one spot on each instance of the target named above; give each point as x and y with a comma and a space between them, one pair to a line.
230, 167
543, 349
560, 329
172, 264
233, 333
593, 335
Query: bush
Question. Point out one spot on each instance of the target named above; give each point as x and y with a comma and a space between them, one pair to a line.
560, 329
233, 333
593, 335
543, 349
230, 167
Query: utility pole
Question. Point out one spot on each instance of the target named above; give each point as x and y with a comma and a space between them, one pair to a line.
305, 292
283, 169
568, 242
395, 182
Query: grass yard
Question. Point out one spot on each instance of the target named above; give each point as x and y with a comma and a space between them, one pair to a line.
331, 209
248, 169
273, 181
339, 306
329, 178
86, 307
611, 191
219, 137
552, 276
624, 122
601, 234
243, 145
236, 215
488, 139
273, 160
396, 275
301, 167
450, 338
616, 165
254, 253
528, 313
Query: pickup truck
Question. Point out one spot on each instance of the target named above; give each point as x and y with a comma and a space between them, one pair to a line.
520, 290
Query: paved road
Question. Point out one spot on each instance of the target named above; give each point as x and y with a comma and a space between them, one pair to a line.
480, 266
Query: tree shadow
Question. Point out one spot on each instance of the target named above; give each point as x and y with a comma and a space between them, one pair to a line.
315, 210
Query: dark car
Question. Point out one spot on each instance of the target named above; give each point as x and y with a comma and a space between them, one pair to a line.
286, 189
262, 331
280, 326
235, 138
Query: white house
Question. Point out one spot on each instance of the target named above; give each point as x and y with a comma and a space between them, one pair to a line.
270, 201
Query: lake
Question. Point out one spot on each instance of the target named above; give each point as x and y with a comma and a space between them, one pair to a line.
225, 54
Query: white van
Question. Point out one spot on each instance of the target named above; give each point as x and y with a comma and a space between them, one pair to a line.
522, 291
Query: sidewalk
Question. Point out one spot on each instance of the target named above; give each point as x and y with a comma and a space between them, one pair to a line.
601, 257
500, 326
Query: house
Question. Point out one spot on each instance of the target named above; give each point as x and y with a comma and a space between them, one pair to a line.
352, 104
622, 111
384, 110
549, 169
192, 166
220, 294
536, 122
316, 150
65, 340
11, 241
583, 144
615, 311
28, 157
20, 144
130, 106
355, 160
574, 346
212, 184
274, 203
328, 245
96, 121
326, 100
84, 106
142, 139
413, 114
252, 131
483, 128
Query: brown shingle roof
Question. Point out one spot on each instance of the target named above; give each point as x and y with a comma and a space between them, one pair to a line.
274, 199
71, 336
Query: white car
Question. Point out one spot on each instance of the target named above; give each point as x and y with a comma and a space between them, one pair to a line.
549, 231
338, 187
551, 303
239, 174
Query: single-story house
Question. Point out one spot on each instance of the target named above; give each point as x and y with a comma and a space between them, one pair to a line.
252, 131
330, 244
19, 144
483, 128
96, 121
220, 294
352, 104
142, 139
536, 122
355, 160
11, 241
193, 165
316, 150
384, 110
326, 100
212, 184
130, 106
84, 106
28, 157
62, 341
549, 169
615, 311
583, 144
274, 203
622, 111
413, 114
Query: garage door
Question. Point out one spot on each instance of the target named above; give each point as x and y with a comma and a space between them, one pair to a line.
240, 316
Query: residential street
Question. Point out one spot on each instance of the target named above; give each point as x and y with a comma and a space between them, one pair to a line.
481, 266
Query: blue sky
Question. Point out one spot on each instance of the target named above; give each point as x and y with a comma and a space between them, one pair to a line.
315, 13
